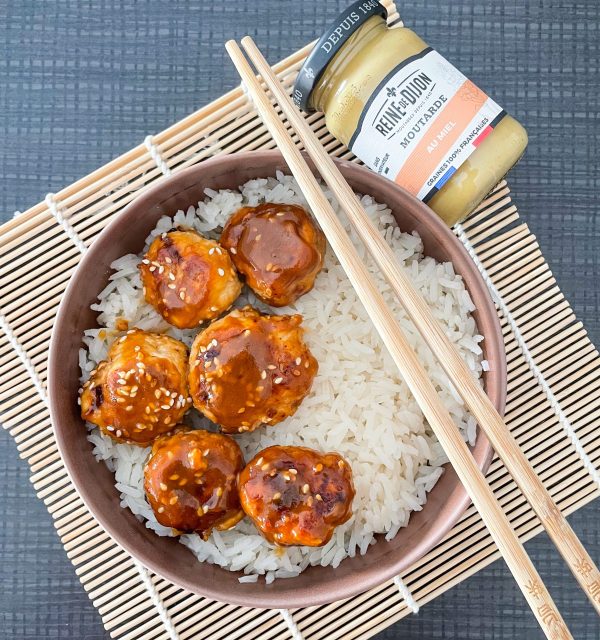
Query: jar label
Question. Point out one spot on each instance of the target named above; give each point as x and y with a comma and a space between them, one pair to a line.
422, 122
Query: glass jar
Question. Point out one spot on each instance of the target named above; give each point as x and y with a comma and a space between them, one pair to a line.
407, 113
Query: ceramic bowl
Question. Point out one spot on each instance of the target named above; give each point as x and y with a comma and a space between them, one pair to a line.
165, 556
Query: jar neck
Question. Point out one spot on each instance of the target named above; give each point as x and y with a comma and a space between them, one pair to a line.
333, 75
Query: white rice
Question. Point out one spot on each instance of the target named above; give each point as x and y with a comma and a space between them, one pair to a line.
358, 406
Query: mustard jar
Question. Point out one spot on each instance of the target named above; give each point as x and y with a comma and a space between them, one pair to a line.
408, 113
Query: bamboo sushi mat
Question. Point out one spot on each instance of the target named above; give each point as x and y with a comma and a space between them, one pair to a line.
552, 409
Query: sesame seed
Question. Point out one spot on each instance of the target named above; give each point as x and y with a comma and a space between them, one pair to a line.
241, 410
305, 489
172, 286
259, 461
220, 271
152, 269
183, 482
296, 372
318, 467
173, 500
134, 389
263, 375
120, 400
213, 309
157, 393
205, 508
171, 276
247, 332
161, 509
287, 477
136, 348
278, 380
258, 237
121, 381
168, 260
271, 367
318, 497
293, 471
269, 266
129, 408
182, 294
276, 496
118, 433
341, 464
205, 452
309, 501
306, 364
273, 473
265, 467
219, 491
211, 251
233, 250
161, 269
165, 407
163, 486
218, 250
175, 476
145, 261
298, 360
110, 428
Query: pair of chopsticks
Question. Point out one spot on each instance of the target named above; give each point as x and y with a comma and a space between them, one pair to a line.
475, 399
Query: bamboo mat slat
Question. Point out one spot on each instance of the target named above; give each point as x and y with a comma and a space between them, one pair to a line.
553, 404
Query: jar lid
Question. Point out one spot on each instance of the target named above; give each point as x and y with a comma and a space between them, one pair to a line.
329, 44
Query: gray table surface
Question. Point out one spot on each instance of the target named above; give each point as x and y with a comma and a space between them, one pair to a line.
83, 81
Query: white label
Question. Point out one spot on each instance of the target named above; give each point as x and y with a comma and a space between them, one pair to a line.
422, 122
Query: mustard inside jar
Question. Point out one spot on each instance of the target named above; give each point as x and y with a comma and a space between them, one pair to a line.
408, 113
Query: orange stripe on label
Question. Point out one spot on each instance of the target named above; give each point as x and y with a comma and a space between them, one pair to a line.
440, 137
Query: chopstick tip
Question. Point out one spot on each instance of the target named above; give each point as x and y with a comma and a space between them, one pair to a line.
231, 45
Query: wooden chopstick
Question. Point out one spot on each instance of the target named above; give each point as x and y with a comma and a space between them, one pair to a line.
406, 360
566, 541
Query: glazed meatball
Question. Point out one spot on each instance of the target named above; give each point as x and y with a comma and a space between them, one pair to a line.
248, 369
140, 391
190, 481
278, 248
188, 279
297, 495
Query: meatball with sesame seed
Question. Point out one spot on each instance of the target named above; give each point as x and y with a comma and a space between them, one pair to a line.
296, 495
278, 248
188, 279
190, 481
140, 391
249, 369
